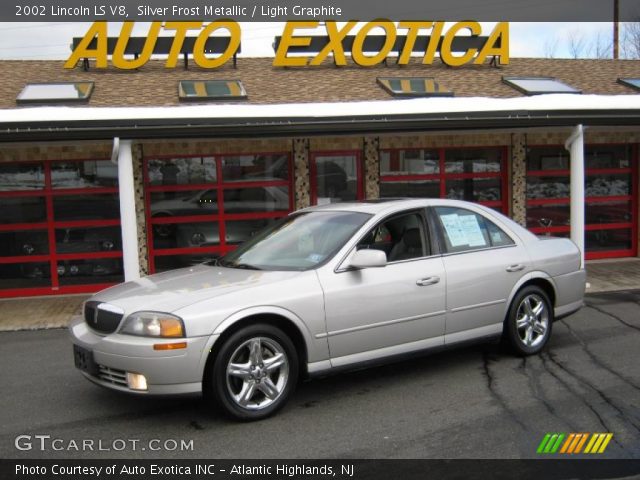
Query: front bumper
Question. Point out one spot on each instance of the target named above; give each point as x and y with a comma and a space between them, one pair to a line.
167, 372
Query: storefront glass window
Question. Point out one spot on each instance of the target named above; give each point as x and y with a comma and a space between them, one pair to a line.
409, 162
610, 192
84, 174
336, 177
474, 174
59, 227
21, 176
412, 189
236, 196
181, 171
255, 167
23, 209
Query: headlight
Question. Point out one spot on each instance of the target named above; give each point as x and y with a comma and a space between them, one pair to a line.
153, 324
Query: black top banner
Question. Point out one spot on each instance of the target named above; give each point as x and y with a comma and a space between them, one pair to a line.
319, 10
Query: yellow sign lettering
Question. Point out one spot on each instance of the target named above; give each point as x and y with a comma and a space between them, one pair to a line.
390, 39
497, 45
334, 44
288, 40
199, 48
181, 29
118, 59
98, 31
453, 52
446, 52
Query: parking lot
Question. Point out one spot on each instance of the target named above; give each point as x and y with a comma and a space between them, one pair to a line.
478, 402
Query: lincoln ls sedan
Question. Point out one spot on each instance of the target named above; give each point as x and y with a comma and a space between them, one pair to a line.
324, 289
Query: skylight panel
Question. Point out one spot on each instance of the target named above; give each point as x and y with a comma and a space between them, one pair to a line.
211, 90
414, 87
539, 85
631, 82
55, 92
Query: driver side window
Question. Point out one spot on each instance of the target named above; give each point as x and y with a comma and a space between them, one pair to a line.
401, 238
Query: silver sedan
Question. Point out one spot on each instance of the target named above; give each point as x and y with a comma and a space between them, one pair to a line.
328, 288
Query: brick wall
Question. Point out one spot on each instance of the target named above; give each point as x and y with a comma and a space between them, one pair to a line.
49, 151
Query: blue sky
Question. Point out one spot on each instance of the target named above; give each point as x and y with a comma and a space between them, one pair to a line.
31, 41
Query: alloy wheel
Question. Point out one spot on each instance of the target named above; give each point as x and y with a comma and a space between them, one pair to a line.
532, 320
257, 373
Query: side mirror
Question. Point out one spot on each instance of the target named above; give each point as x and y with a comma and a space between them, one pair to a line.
368, 259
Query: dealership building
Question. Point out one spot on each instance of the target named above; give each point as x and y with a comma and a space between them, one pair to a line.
108, 174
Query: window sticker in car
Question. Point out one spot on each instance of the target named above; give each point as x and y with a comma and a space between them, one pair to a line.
496, 237
463, 230
471, 229
452, 225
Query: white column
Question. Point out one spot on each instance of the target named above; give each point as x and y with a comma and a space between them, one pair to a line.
128, 220
575, 145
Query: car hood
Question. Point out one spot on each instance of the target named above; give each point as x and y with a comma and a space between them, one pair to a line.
170, 291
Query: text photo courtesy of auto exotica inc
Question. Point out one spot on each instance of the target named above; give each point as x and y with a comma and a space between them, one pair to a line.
338, 240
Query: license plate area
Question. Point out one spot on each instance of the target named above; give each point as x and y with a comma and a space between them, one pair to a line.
83, 359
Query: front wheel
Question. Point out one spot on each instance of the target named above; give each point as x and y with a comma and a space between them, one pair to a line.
529, 321
255, 372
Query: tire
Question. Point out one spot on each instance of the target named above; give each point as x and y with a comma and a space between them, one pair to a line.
248, 382
529, 321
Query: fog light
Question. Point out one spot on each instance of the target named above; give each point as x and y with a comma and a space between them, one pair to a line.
136, 381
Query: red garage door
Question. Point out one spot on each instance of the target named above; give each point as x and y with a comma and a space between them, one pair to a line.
59, 227
611, 191
474, 174
201, 207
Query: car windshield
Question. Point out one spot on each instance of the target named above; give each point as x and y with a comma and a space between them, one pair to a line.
297, 242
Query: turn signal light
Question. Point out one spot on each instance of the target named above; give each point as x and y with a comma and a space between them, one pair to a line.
169, 346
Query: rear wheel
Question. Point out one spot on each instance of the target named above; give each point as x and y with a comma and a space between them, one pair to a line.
255, 372
529, 321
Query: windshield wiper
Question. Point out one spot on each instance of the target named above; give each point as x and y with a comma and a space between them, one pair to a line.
245, 266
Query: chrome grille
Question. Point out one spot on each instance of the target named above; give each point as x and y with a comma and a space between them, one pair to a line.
101, 319
111, 375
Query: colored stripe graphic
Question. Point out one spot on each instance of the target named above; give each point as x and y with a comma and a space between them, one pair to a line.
550, 443
556, 443
543, 443
598, 442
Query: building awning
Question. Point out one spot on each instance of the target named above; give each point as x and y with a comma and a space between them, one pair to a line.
421, 114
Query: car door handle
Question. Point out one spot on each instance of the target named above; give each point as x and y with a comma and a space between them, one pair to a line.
423, 282
515, 268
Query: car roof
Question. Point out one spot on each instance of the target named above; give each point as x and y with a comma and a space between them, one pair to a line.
374, 207
392, 205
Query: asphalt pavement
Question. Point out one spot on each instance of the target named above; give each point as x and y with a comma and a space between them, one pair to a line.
476, 402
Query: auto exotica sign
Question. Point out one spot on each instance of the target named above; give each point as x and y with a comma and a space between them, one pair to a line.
459, 45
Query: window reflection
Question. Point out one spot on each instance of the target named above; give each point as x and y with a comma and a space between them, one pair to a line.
79, 272
336, 178
414, 189
255, 167
181, 171
86, 207
87, 174
23, 210
21, 176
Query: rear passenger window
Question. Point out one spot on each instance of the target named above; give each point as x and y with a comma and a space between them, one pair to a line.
464, 230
